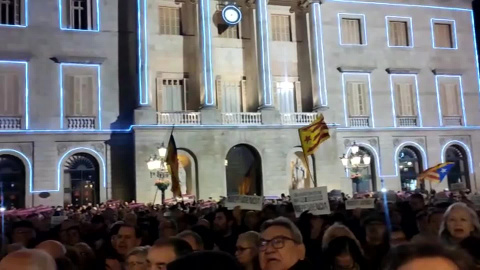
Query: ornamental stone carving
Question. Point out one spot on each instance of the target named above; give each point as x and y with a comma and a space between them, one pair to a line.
99, 147
61, 148
442, 141
347, 143
373, 143
396, 142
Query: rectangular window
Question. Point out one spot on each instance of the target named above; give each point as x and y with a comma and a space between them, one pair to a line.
169, 21
173, 95
351, 31
231, 97
81, 14
9, 95
443, 35
281, 28
227, 31
10, 12
80, 94
405, 95
398, 34
285, 97
451, 104
357, 99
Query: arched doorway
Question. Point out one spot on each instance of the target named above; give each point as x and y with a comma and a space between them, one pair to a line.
187, 172
460, 172
81, 180
244, 171
298, 174
12, 181
367, 181
409, 166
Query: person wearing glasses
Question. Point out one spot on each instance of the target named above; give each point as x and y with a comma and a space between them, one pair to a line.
247, 250
281, 246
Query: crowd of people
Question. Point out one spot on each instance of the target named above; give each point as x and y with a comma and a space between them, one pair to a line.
411, 233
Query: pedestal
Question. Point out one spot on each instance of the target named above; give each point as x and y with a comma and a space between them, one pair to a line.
210, 115
270, 115
145, 115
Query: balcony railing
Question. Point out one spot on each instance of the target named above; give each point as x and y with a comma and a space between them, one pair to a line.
452, 121
179, 118
407, 121
10, 123
359, 121
81, 122
248, 118
298, 118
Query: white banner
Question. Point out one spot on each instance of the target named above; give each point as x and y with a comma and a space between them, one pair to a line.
458, 186
360, 203
315, 200
245, 202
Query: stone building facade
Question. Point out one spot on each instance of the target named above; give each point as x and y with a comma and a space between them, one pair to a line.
99, 86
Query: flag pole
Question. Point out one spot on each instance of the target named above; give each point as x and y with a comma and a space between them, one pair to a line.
308, 169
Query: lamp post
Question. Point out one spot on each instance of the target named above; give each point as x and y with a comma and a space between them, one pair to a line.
355, 162
158, 168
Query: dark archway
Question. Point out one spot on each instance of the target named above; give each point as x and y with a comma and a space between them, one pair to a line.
409, 166
243, 167
460, 172
367, 182
12, 181
81, 180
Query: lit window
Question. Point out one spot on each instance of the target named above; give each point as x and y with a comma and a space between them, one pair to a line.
79, 15
169, 21
451, 103
281, 28
404, 93
357, 99
10, 94
443, 35
285, 97
352, 31
11, 12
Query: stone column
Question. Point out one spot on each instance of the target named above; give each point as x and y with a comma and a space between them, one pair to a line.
263, 55
207, 86
316, 48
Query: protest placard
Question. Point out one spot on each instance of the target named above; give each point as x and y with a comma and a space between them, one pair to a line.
360, 203
315, 200
246, 202
457, 186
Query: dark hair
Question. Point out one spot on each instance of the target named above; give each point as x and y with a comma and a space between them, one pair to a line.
342, 245
64, 263
194, 235
404, 254
435, 211
417, 196
228, 214
138, 232
98, 219
205, 260
206, 235
23, 224
180, 246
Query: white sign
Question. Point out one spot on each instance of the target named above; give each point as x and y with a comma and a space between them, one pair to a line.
360, 203
57, 220
457, 186
315, 200
245, 202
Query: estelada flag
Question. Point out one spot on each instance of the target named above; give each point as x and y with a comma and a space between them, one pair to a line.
436, 173
313, 135
172, 164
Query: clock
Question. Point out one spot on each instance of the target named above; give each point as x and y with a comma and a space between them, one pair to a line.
231, 15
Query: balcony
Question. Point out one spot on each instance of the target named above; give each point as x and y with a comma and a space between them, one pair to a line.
452, 121
81, 122
10, 122
359, 121
178, 118
298, 118
248, 118
407, 121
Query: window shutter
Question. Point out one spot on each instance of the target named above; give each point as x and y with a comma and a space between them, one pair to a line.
71, 17
244, 95
89, 14
15, 95
398, 99
185, 94
443, 35
159, 84
457, 99
362, 99
409, 102
3, 94
69, 97
179, 99
218, 83
87, 94
450, 100
275, 96
351, 99
298, 97
443, 93
351, 31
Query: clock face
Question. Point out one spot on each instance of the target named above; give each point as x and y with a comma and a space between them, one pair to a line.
231, 14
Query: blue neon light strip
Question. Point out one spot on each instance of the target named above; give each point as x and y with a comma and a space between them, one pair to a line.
316, 8
265, 53
465, 147
62, 91
27, 89
25, 13
393, 98
140, 60
402, 5
145, 44
453, 29
324, 71
408, 20
363, 25
64, 28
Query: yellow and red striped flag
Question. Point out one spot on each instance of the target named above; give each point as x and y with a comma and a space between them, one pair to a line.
172, 162
313, 135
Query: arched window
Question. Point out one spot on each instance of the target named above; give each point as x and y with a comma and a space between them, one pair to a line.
366, 182
81, 180
244, 171
12, 181
409, 166
460, 172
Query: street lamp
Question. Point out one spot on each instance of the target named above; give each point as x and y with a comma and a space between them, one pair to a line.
162, 151
159, 170
355, 162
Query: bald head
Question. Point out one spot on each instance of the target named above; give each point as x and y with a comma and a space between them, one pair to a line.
53, 248
28, 260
